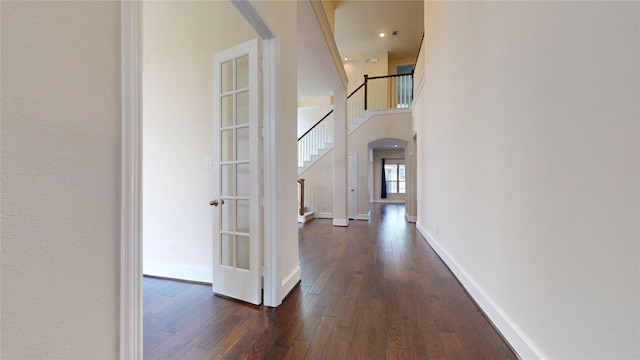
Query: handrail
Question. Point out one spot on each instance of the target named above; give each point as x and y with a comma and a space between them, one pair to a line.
386, 76
356, 90
367, 79
330, 112
364, 84
415, 64
316, 124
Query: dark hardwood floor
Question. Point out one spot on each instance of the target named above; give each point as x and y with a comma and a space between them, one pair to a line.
372, 290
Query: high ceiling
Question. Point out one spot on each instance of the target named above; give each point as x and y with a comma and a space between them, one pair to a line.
317, 74
358, 24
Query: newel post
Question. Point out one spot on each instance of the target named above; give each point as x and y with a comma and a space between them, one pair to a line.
301, 182
365, 90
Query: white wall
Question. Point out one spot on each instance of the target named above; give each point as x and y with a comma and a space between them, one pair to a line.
179, 41
318, 194
319, 190
390, 125
60, 179
357, 68
310, 111
529, 140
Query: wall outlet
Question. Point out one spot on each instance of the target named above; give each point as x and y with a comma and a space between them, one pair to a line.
172, 246
208, 163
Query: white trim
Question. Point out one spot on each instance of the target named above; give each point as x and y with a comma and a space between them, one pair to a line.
315, 158
308, 216
256, 17
340, 222
325, 27
522, 344
363, 216
178, 272
271, 223
289, 282
131, 181
325, 215
260, 22
409, 218
368, 114
391, 201
355, 186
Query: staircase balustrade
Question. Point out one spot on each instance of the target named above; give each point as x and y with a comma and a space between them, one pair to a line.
376, 93
316, 138
388, 92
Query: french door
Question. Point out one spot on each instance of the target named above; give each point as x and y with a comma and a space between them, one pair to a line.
237, 226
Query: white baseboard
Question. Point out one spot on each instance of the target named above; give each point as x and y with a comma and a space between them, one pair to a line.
289, 282
409, 218
340, 222
306, 217
522, 344
381, 201
325, 215
362, 216
178, 272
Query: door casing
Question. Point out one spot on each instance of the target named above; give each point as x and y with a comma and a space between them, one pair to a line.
131, 324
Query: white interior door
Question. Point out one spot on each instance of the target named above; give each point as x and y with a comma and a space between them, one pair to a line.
237, 226
352, 164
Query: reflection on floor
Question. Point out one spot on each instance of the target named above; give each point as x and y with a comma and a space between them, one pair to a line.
372, 290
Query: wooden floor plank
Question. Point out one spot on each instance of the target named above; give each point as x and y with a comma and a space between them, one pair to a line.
372, 290
319, 348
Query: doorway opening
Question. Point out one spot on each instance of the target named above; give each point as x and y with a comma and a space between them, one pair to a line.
132, 155
388, 170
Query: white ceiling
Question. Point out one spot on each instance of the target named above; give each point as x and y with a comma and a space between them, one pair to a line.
357, 25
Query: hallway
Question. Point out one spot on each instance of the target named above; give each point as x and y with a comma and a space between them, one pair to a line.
372, 290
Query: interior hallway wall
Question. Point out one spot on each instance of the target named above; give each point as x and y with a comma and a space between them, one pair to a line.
179, 41
529, 166
60, 181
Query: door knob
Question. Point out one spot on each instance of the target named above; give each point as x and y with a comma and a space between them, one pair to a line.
215, 202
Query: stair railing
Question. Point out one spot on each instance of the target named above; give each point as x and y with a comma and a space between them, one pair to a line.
388, 92
320, 134
375, 93
356, 105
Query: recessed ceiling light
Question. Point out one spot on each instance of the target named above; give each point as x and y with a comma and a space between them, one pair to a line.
382, 34
345, 59
395, 145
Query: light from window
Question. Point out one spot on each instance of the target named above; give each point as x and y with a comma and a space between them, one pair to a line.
395, 177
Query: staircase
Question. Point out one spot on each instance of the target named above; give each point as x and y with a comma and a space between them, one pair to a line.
375, 93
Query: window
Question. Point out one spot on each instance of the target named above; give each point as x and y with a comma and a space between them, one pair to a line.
394, 174
404, 86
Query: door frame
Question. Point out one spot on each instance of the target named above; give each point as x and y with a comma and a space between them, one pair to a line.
131, 323
352, 171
